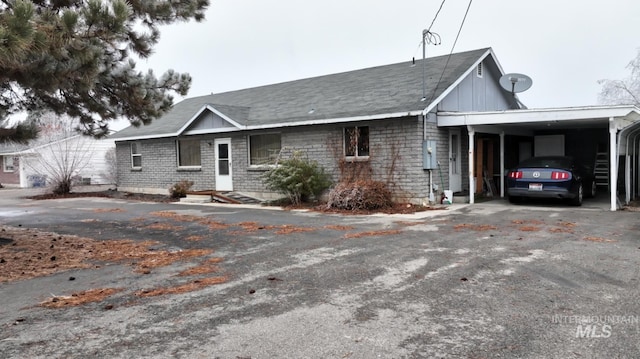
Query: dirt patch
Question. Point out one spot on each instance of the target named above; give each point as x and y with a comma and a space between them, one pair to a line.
206, 267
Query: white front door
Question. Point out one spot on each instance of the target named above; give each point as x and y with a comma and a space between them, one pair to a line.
223, 164
455, 165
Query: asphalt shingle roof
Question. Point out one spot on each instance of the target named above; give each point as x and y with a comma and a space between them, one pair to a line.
378, 90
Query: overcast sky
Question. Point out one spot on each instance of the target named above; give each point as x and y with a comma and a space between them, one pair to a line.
564, 46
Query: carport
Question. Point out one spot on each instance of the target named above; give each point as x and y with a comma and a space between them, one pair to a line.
622, 142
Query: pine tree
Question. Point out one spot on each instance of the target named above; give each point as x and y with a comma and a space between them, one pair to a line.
74, 58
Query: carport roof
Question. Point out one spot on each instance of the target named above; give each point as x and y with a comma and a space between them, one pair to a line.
519, 121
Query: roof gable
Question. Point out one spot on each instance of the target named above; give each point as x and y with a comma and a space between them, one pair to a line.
361, 94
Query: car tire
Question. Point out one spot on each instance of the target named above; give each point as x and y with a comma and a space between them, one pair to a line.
593, 189
515, 199
577, 200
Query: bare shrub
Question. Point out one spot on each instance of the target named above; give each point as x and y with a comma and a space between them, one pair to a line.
360, 195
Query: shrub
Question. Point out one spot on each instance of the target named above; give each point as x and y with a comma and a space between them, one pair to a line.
360, 195
297, 178
180, 189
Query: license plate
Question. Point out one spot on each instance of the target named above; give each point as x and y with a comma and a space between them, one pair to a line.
535, 186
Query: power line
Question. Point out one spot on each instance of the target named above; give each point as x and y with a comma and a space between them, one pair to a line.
435, 17
451, 52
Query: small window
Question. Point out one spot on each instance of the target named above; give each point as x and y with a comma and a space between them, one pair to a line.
356, 141
136, 155
188, 153
479, 70
264, 149
7, 164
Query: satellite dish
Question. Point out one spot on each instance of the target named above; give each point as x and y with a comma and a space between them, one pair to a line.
515, 83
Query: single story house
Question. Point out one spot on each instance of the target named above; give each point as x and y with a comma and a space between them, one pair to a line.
443, 123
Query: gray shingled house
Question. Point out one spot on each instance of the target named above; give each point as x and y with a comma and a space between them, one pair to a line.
226, 141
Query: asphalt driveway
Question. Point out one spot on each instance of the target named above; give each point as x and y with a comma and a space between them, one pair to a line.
482, 281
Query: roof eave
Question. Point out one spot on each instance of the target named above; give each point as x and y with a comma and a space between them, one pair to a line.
281, 125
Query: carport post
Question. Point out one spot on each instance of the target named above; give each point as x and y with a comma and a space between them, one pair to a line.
613, 160
502, 164
472, 189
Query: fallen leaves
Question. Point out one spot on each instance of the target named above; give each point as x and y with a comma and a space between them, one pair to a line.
387, 232
156, 259
79, 298
33, 253
338, 227
475, 227
194, 285
108, 210
207, 267
598, 239
163, 227
529, 228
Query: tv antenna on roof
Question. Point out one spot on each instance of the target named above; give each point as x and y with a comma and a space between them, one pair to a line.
515, 83
430, 38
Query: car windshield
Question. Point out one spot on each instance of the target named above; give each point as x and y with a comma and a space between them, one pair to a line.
547, 162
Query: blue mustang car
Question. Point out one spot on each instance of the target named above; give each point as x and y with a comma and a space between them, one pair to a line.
551, 177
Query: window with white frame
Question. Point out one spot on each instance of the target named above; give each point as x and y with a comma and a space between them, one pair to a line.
136, 155
7, 164
188, 153
264, 149
356, 142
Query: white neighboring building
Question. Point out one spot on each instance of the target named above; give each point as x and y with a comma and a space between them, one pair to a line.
25, 165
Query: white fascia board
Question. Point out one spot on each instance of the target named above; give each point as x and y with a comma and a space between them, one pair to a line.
209, 131
145, 137
446, 92
278, 125
536, 115
336, 120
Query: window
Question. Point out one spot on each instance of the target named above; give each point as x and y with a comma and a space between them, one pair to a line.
479, 70
264, 149
356, 141
7, 164
188, 153
136, 155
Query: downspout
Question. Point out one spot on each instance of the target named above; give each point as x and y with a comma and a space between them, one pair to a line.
636, 154
627, 175
631, 176
617, 159
472, 189
502, 164
613, 159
